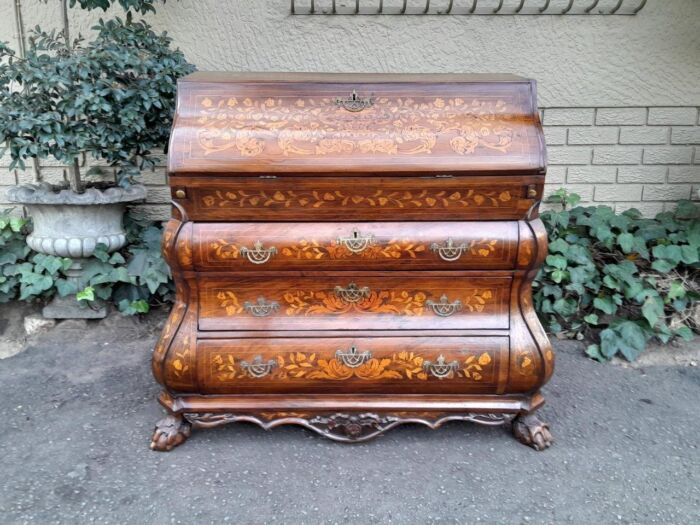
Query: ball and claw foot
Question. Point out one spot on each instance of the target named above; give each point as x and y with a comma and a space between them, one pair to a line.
531, 431
171, 431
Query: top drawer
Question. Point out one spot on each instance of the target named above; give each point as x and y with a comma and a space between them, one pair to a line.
317, 198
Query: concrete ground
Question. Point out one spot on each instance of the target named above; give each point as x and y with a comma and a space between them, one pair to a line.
78, 405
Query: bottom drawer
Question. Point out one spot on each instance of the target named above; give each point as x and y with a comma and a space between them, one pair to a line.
386, 365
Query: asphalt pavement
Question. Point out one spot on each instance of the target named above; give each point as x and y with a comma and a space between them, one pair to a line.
78, 407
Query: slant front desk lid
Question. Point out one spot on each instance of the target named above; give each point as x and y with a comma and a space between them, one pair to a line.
363, 124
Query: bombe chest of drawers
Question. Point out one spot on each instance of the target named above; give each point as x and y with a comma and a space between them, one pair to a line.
354, 252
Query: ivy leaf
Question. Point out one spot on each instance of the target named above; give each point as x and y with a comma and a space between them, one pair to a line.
565, 307
557, 261
626, 242
690, 254
116, 258
605, 304
593, 351
558, 276
86, 294
676, 291
653, 310
662, 266
559, 245
34, 284
591, 319
48, 262
684, 332
609, 343
64, 287
632, 339
17, 223
101, 253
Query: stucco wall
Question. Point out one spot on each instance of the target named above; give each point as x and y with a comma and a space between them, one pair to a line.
648, 65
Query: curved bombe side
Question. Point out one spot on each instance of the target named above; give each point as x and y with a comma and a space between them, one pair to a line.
531, 355
173, 357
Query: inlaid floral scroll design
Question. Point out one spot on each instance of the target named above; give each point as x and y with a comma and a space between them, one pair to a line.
311, 249
360, 197
394, 249
403, 365
321, 302
383, 301
318, 127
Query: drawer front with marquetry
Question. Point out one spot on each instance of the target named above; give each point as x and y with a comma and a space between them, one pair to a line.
341, 302
357, 198
447, 365
351, 246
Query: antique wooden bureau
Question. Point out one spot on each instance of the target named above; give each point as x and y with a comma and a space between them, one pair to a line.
354, 252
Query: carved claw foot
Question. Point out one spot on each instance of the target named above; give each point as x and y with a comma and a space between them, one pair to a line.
531, 431
171, 431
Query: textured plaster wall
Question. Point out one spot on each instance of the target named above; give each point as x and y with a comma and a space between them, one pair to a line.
651, 59
620, 94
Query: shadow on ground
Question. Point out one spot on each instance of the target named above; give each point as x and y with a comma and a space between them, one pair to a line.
78, 407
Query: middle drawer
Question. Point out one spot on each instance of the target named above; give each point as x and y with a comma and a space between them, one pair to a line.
347, 302
352, 246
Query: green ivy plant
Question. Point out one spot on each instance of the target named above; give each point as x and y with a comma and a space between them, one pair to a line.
134, 278
619, 279
23, 273
112, 97
140, 6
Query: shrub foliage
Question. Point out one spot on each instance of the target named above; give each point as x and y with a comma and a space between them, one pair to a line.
619, 279
112, 97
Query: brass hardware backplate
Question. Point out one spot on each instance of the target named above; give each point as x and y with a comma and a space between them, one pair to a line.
443, 308
353, 358
258, 368
356, 243
258, 254
261, 308
440, 368
354, 103
448, 251
352, 294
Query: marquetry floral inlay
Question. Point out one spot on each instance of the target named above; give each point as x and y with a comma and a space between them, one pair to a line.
366, 198
383, 301
318, 127
314, 250
394, 249
322, 302
304, 365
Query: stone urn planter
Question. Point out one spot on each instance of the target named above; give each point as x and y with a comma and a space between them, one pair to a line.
69, 224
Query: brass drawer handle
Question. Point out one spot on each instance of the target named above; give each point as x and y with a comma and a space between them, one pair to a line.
443, 308
354, 103
352, 294
357, 243
448, 251
352, 358
258, 368
261, 308
258, 254
440, 368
